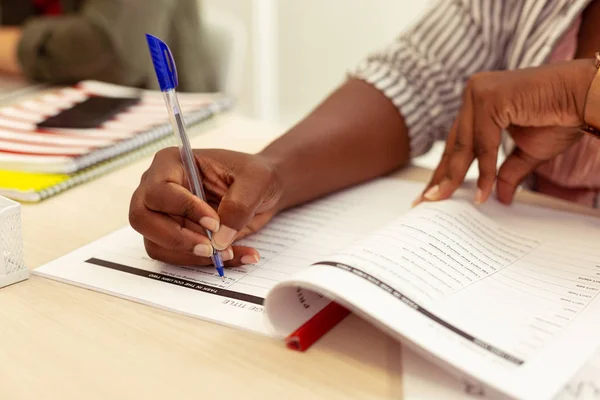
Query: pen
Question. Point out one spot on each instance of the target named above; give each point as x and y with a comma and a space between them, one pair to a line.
164, 66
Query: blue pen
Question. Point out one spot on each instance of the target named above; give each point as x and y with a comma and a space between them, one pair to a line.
164, 65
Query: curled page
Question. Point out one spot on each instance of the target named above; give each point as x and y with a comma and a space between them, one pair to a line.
496, 306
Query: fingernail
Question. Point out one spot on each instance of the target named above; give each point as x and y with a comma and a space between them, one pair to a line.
433, 193
203, 250
479, 196
209, 223
416, 202
227, 255
253, 259
223, 238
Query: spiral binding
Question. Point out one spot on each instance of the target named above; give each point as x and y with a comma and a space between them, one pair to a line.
105, 160
150, 136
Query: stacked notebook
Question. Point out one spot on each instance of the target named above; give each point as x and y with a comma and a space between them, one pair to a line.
36, 163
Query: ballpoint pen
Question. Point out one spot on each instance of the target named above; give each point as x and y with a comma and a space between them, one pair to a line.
166, 72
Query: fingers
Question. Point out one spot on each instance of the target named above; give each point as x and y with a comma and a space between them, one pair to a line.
487, 136
166, 231
474, 135
163, 190
441, 170
458, 155
173, 199
461, 157
240, 203
512, 172
232, 256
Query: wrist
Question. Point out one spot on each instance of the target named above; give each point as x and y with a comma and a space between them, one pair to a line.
281, 165
9, 41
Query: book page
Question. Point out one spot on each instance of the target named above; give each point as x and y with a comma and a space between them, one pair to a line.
422, 379
118, 264
503, 307
586, 384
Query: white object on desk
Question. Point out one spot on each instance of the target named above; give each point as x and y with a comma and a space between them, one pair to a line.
12, 265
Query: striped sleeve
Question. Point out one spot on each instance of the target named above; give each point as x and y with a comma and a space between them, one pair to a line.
424, 71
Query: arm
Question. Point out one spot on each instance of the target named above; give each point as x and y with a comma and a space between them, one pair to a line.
398, 103
9, 39
355, 135
104, 41
393, 107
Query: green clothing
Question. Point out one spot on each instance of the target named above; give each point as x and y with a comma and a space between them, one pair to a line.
104, 40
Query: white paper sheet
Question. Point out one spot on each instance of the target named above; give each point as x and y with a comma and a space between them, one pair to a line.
117, 264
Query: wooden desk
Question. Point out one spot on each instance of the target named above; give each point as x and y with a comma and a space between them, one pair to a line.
62, 342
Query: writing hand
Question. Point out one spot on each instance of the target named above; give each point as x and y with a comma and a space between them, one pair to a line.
242, 191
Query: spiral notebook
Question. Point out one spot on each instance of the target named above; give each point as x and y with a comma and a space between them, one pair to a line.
28, 187
38, 163
25, 147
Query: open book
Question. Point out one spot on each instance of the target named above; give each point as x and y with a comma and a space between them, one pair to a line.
504, 298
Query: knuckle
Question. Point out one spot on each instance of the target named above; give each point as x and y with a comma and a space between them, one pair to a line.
152, 250
165, 154
480, 79
480, 149
461, 146
482, 86
188, 207
144, 176
239, 207
154, 197
136, 217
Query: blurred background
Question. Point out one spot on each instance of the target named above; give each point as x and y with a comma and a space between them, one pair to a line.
287, 55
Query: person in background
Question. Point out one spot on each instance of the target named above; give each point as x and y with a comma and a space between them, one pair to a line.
393, 107
65, 41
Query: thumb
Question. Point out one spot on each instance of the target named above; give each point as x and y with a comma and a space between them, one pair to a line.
238, 206
512, 172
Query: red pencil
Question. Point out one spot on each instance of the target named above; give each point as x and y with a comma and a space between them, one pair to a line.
313, 329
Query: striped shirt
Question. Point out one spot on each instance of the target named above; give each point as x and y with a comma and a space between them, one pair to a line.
425, 70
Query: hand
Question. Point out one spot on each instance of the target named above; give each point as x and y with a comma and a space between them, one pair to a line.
242, 192
9, 41
541, 108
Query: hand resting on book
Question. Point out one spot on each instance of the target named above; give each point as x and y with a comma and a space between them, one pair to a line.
541, 108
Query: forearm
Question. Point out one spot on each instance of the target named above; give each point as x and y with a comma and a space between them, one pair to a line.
9, 40
355, 135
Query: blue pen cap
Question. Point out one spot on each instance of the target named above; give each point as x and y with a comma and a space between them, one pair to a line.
164, 64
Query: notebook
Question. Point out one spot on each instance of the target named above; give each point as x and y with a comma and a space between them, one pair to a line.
25, 148
504, 298
30, 187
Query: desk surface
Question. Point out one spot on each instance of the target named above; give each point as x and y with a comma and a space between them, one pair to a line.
62, 342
